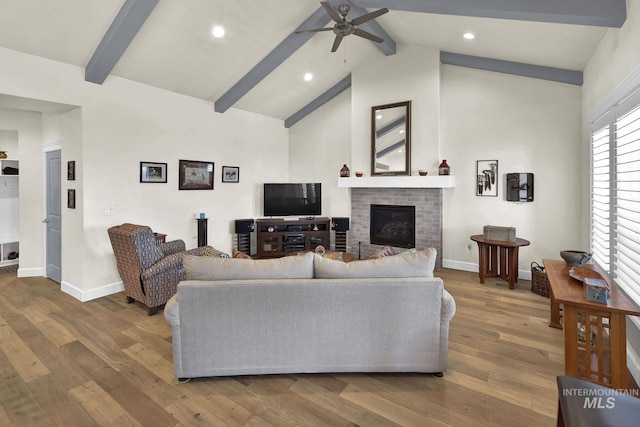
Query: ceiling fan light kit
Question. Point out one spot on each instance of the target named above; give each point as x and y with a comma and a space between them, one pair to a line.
343, 28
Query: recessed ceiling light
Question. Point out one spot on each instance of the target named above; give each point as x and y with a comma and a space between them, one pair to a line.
217, 31
308, 77
469, 36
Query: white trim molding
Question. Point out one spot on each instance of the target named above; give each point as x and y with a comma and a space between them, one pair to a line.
472, 267
84, 296
31, 272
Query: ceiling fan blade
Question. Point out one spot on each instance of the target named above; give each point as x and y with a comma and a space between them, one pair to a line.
336, 42
369, 16
314, 30
366, 35
331, 11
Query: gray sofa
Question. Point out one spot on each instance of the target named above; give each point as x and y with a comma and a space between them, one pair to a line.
309, 314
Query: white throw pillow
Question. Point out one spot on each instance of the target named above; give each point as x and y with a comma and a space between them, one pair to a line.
418, 264
213, 268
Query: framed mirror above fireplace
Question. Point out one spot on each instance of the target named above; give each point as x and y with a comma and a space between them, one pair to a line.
391, 139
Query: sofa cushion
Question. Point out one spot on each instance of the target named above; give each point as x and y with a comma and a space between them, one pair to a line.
241, 255
212, 268
385, 251
418, 264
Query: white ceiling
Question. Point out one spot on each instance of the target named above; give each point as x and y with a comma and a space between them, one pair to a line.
174, 49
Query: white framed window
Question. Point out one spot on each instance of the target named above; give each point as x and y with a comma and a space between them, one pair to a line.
615, 192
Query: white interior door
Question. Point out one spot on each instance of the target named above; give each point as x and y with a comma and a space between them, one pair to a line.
54, 213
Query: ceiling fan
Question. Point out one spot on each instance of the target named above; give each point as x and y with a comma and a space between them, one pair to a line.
343, 28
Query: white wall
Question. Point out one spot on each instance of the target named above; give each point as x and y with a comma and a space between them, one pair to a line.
412, 74
9, 143
614, 60
121, 123
462, 115
319, 145
528, 125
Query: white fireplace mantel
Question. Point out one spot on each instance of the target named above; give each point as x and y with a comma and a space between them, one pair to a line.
439, 181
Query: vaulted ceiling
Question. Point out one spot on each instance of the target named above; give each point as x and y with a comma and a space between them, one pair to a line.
259, 64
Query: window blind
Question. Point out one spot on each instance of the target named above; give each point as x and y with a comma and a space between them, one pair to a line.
626, 236
615, 193
600, 197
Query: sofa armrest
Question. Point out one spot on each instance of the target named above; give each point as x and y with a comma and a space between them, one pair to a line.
448, 306
172, 311
172, 247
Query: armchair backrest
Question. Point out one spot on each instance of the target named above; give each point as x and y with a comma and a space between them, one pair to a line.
135, 249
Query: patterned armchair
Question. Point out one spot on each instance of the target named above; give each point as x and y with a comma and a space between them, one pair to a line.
150, 272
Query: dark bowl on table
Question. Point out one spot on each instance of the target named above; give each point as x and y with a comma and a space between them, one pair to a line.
575, 258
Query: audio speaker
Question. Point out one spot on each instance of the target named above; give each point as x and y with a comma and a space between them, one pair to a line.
244, 225
340, 224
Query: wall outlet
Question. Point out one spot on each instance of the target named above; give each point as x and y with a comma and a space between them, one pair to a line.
109, 211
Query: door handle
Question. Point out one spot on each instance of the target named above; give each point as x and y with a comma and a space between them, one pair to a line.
45, 220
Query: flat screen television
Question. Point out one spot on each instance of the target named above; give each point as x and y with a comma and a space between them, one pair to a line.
303, 199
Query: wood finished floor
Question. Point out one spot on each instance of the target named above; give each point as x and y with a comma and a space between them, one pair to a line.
106, 363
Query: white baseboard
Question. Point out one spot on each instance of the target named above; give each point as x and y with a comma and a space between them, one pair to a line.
459, 265
469, 266
31, 272
91, 294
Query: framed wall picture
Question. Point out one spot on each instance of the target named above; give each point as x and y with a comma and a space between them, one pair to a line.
195, 175
71, 170
151, 172
487, 178
230, 174
71, 199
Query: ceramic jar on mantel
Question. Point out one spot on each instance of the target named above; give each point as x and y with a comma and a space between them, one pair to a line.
444, 168
344, 172
3, 154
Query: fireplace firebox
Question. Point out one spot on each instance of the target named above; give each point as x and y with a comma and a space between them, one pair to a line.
393, 225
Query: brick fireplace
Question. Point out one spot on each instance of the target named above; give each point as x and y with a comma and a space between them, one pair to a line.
428, 216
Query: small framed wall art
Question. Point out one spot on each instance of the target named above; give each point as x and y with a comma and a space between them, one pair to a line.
487, 178
195, 175
151, 172
230, 174
71, 170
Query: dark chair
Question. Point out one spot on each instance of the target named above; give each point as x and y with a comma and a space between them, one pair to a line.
585, 404
150, 272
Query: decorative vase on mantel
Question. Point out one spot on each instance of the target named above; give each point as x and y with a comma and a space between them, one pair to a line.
444, 168
3, 154
344, 172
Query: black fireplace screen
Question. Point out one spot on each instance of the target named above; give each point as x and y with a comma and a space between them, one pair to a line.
393, 225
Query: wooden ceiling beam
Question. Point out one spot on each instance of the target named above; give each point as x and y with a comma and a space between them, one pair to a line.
334, 91
602, 13
559, 75
277, 56
116, 40
286, 48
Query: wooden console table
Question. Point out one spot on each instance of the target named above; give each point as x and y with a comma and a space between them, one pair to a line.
595, 335
507, 267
